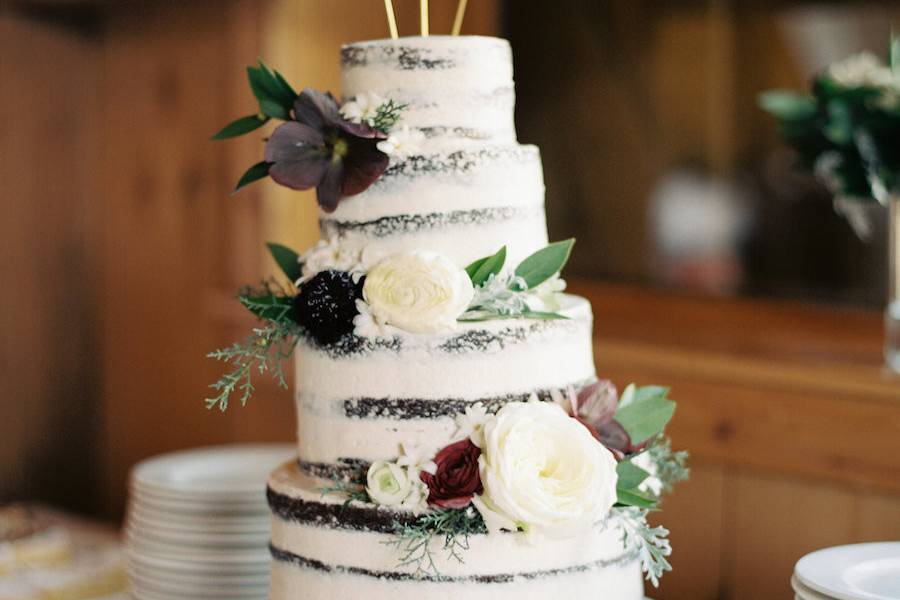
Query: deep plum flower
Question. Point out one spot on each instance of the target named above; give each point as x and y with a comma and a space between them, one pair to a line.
457, 478
322, 149
594, 406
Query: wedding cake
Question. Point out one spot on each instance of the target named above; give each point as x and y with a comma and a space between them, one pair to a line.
454, 438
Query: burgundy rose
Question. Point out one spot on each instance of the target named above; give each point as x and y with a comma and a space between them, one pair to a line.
457, 478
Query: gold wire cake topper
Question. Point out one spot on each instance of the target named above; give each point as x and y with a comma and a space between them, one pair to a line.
423, 18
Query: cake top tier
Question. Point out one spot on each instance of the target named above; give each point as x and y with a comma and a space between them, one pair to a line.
458, 86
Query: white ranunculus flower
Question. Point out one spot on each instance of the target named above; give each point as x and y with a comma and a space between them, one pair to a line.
543, 472
403, 142
363, 108
388, 483
419, 292
862, 70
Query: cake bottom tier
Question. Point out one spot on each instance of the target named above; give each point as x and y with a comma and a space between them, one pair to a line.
324, 549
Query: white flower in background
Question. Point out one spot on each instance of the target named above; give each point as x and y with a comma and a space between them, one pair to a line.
363, 108
388, 484
343, 253
862, 70
403, 142
652, 484
471, 423
419, 292
545, 297
543, 472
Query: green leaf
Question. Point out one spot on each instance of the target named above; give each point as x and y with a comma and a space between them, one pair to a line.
545, 263
630, 475
644, 412
635, 498
895, 53
241, 126
546, 316
786, 105
254, 173
276, 86
270, 307
480, 270
273, 109
288, 260
840, 122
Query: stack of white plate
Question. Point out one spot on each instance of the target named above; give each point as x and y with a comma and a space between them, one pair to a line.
198, 524
854, 572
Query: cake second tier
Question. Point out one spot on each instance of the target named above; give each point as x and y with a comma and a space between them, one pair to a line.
356, 402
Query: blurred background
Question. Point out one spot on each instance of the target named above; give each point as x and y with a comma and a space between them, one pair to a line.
122, 249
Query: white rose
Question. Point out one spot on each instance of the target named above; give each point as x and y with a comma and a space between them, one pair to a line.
543, 472
388, 483
419, 292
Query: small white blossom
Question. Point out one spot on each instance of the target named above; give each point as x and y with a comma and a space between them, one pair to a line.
343, 253
363, 108
403, 142
545, 297
469, 424
652, 484
862, 70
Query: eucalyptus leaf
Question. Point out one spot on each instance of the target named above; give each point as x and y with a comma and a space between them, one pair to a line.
646, 414
630, 475
241, 126
492, 265
254, 173
787, 105
635, 498
545, 263
288, 260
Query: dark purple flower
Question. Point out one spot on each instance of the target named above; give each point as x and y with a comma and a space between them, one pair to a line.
594, 406
326, 305
323, 150
457, 478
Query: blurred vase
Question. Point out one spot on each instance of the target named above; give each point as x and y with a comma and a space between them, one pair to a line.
892, 313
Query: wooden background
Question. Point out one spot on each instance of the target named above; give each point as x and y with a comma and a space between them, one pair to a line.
121, 250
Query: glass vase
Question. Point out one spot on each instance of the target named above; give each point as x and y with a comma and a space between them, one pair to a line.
892, 312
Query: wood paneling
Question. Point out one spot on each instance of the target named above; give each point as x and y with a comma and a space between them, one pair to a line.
49, 155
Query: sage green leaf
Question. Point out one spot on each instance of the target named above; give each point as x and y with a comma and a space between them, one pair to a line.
635, 498
271, 108
270, 307
546, 316
254, 173
286, 259
241, 126
645, 413
630, 475
492, 265
545, 263
786, 105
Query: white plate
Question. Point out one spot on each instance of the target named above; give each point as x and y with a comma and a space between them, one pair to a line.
209, 588
854, 572
802, 592
190, 577
227, 525
197, 538
259, 568
255, 507
238, 556
205, 472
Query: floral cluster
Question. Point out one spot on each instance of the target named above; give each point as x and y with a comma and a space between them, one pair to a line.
547, 468
340, 150
845, 130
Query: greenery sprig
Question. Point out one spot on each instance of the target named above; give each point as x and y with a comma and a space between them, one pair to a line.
502, 295
651, 543
671, 466
387, 115
414, 540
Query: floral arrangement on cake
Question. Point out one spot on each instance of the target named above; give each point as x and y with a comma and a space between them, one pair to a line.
565, 463
846, 130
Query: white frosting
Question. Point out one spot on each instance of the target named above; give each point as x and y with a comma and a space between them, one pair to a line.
554, 355
541, 567
448, 82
